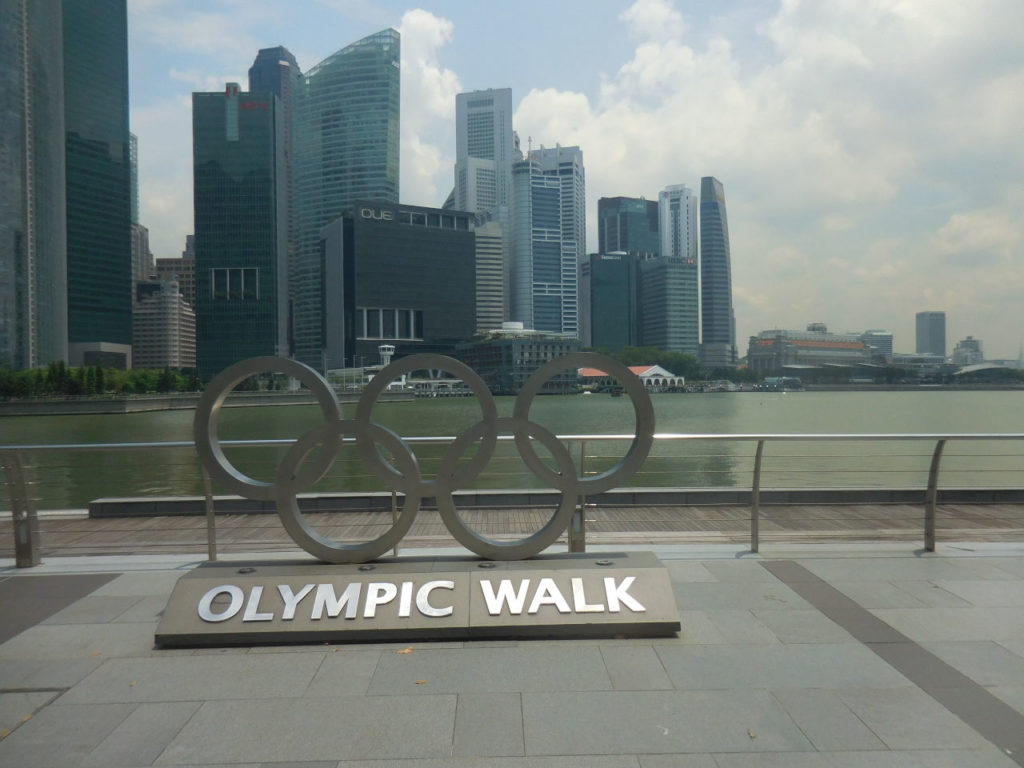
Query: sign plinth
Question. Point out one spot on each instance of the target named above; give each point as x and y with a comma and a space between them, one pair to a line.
565, 595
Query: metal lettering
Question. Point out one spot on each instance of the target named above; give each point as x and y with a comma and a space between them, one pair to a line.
579, 599
378, 593
375, 213
405, 600
548, 593
423, 599
617, 594
252, 607
291, 600
206, 603
326, 598
505, 596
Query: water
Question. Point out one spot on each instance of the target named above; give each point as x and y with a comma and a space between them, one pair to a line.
67, 480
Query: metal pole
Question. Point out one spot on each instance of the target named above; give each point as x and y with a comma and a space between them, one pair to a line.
932, 497
211, 519
577, 535
755, 500
23, 513
394, 515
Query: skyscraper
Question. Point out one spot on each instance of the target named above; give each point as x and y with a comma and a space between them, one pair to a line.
99, 250
33, 245
490, 276
547, 239
346, 148
628, 224
241, 227
931, 333
718, 333
669, 284
609, 311
484, 150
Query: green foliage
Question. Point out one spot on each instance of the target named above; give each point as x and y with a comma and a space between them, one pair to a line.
58, 380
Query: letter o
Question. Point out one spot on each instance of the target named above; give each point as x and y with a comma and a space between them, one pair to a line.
206, 603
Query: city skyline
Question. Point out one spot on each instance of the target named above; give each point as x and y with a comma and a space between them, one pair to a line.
870, 176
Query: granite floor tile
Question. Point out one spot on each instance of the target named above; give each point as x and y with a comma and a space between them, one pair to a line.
528, 667
741, 627
197, 678
18, 708
85, 641
658, 722
826, 721
810, 626
93, 609
489, 725
984, 661
49, 673
281, 730
635, 668
142, 736
344, 673
984, 757
61, 736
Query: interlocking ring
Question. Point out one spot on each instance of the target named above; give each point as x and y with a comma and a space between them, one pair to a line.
293, 478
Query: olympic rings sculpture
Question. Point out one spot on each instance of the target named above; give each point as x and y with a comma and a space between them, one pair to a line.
294, 478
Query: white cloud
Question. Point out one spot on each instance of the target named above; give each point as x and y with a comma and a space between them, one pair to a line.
428, 109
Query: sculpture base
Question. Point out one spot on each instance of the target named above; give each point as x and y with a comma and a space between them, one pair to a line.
421, 598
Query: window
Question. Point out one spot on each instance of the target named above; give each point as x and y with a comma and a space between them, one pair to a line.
235, 284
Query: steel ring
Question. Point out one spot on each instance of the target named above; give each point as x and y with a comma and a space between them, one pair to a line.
381, 468
518, 549
204, 425
642, 408
298, 527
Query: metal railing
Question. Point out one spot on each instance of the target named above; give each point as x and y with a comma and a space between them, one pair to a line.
23, 498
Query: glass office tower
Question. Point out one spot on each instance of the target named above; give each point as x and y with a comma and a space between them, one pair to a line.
628, 224
718, 337
99, 238
33, 246
241, 227
346, 149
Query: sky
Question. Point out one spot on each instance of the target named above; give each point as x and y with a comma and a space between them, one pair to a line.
872, 151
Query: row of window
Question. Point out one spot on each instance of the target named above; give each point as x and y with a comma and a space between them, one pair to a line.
377, 323
234, 283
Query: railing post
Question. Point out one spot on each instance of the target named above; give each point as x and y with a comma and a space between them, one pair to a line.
932, 497
23, 513
577, 534
394, 515
211, 519
755, 500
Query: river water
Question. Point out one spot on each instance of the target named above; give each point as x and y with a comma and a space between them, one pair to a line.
69, 480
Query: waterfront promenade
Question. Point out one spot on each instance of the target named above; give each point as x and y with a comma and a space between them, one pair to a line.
831, 654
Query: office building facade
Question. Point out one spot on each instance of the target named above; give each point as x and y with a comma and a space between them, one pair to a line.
629, 225
609, 301
490, 275
548, 232
931, 333
484, 150
506, 359
345, 142
405, 276
718, 323
33, 245
163, 328
98, 167
241, 227
668, 288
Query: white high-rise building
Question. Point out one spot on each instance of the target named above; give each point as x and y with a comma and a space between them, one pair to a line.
484, 150
677, 217
490, 276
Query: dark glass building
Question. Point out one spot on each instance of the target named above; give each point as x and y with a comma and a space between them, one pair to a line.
628, 224
346, 149
609, 301
668, 304
931, 333
33, 246
406, 277
97, 152
718, 337
241, 227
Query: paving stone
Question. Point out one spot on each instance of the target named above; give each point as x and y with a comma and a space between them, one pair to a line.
824, 719
635, 668
930, 594
984, 661
685, 571
768, 760
141, 584
61, 736
147, 609
51, 673
736, 596
908, 719
142, 736
777, 666
697, 627
85, 641
677, 761
986, 594
282, 730
562, 761
626, 722
741, 627
529, 667
957, 758
488, 725
802, 626
344, 673
18, 708
197, 678
93, 609
879, 594
946, 624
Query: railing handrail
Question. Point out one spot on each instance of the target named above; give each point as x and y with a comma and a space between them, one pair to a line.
440, 439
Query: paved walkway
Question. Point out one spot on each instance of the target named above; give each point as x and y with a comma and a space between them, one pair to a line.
812, 656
